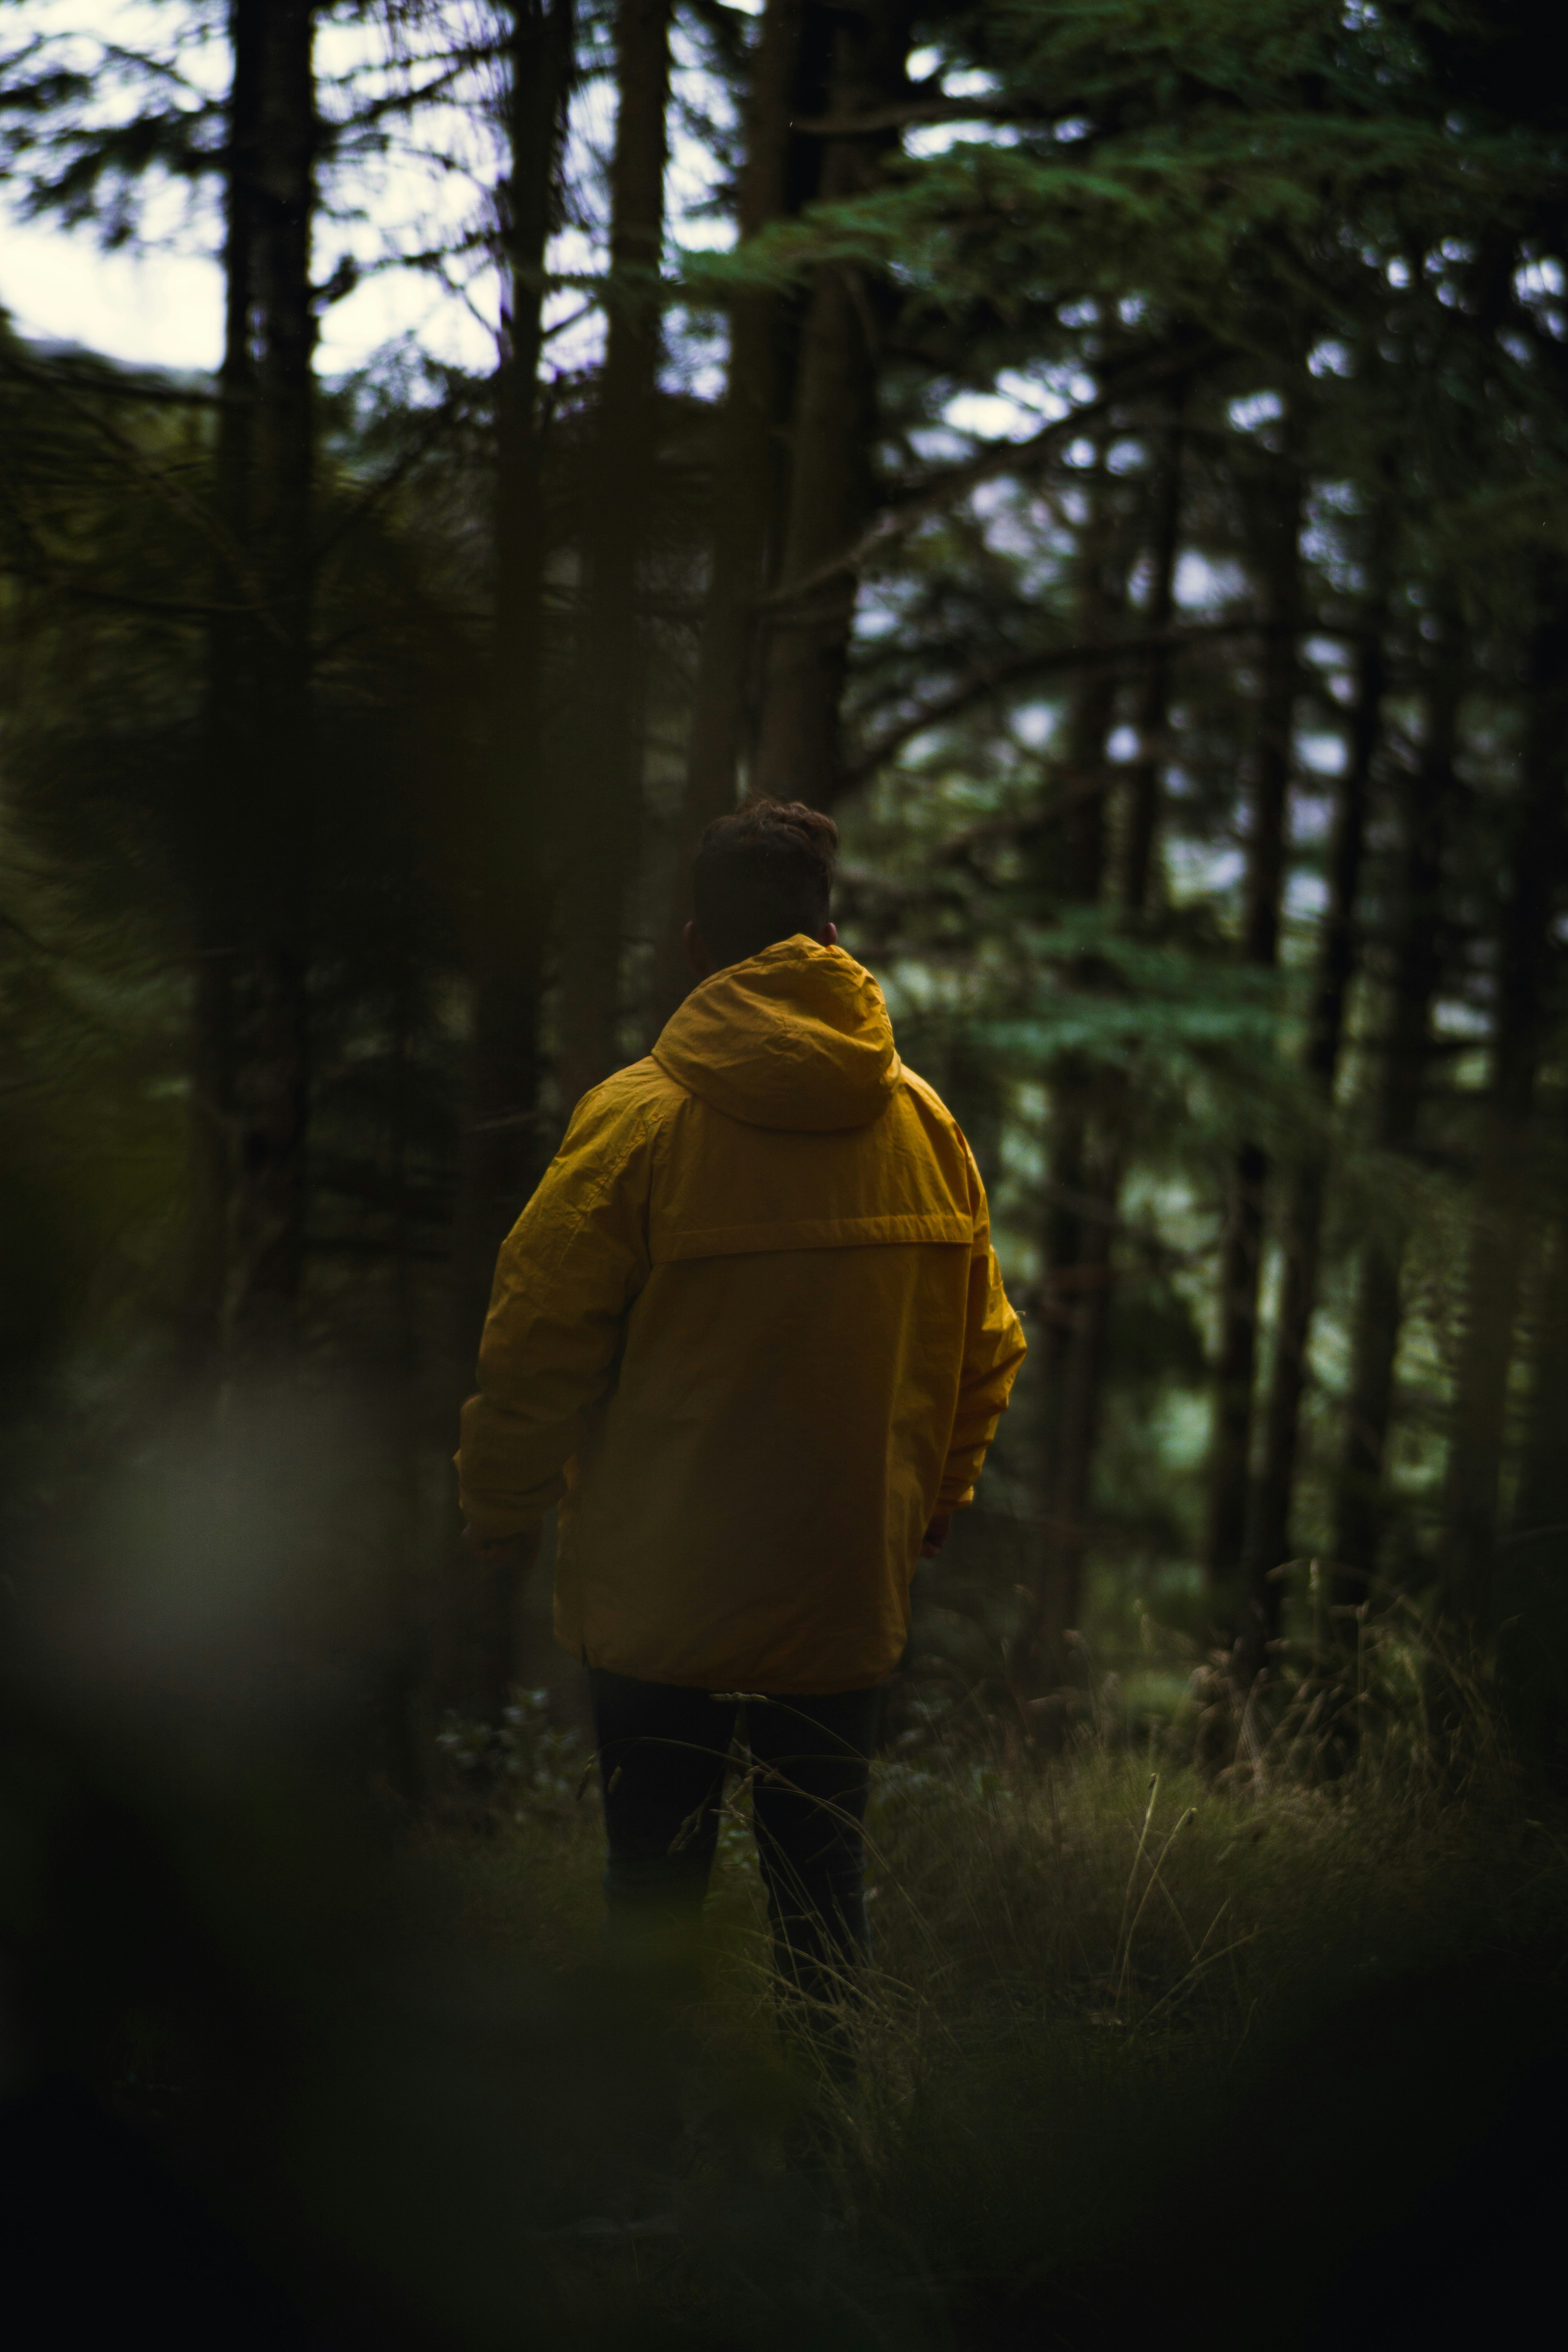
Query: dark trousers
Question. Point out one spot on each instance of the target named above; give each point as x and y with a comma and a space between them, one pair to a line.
663, 1754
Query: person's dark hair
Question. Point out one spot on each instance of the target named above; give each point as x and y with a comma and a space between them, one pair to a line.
761, 874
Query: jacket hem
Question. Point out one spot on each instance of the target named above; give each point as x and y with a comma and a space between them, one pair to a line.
733, 1682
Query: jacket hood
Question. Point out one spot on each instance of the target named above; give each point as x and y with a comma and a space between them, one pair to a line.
795, 1037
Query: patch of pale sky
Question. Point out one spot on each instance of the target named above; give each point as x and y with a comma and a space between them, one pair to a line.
161, 303
1199, 582
929, 139
1321, 751
1034, 723
157, 309
1253, 409
990, 414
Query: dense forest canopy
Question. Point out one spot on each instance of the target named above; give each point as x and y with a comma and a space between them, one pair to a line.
1111, 455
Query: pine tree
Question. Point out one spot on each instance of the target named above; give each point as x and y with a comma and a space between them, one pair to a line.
604, 815
796, 749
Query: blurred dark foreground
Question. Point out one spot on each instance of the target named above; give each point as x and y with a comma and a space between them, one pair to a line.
285, 2064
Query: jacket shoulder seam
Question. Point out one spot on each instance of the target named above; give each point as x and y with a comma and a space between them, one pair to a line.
978, 1208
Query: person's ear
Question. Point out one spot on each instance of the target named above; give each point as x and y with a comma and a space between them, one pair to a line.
827, 937
697, 954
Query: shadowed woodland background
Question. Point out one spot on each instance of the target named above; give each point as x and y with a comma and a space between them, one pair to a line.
1115, 457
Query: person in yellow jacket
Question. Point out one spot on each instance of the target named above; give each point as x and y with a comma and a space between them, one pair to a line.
751, 1336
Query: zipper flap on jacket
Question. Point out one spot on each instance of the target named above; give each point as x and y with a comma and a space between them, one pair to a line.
812, 1233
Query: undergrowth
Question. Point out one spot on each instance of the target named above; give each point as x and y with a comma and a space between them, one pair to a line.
1094, 1970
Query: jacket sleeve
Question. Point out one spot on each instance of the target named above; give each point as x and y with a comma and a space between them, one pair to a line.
993, 1347
566, 1275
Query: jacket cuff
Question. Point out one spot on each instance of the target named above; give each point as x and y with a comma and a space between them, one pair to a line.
496, 1518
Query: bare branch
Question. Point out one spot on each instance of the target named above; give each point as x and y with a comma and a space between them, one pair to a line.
990, 678
1001, 457
912, 111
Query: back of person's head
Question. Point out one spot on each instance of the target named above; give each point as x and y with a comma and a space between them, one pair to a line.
761, 874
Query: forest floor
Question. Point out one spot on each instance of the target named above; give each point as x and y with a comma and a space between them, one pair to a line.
1180, 2027
1148, 2049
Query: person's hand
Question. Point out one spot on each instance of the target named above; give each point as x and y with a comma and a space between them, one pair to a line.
500, 1551
935, 1535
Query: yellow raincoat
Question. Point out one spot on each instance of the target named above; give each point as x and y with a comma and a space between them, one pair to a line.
749, 1331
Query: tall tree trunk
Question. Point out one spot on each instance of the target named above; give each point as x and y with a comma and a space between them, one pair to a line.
253, 1057
796, 753
1427, 796
1279, 504
1143, 789
608, 702
1540, 1505
227, 727
1529, 1600
1070, 853
782, 172
750, 454
1267, 1538
1078, 1298
507, 897
1498, 1231
1085, 1287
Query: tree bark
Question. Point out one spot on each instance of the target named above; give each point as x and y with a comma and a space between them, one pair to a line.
1071, 852
1426, 797
252, 999
1279, 502
1078, 1298
796, 753
507, 892
227, 735
1267, 1538
1499, 1224
605, 825
1145, 784
782, 172
1540, 1506
1531, 1592
747, 489
1086, 1255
